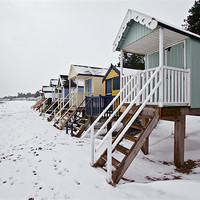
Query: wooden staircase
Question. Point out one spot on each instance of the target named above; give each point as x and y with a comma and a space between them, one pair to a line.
40, 101
133, 140
61, 122
78, 126
47, 108
51, 116
39, 105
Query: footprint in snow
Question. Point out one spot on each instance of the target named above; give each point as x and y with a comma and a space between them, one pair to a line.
34, 173
78, 183
66, 170
61, 173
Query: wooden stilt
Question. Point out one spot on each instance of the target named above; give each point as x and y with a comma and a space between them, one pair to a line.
179, 134
109, 126
145, 147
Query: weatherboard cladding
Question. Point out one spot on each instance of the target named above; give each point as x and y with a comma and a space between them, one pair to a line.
175, 58
193, 63
175, 55
133, 32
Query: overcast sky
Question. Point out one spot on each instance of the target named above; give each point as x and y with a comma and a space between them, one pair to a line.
41, 39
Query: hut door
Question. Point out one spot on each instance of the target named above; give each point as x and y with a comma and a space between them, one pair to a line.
175, 56
109, 87
88, 87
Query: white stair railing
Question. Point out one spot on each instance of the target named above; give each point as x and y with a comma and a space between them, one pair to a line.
54, 111
108, 136
74, 104
51, 106
145, 88
90, 129
63, 107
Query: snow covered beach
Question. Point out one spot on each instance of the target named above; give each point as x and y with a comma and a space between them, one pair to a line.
38, 161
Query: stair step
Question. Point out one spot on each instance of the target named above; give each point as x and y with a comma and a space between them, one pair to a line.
56, 125
144, 116
137, 126
122, 149
77, 128
84, 119
81, 124
130, 137
115, 162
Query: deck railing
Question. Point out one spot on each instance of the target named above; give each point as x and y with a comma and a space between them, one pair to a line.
174, 91
97, 104
79, 97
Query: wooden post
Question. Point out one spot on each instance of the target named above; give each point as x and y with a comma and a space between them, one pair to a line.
145, 147
109, 126
179, 134
161, 64
121, 71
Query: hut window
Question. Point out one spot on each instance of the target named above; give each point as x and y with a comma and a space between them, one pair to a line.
116, 83
88, 86
108, 86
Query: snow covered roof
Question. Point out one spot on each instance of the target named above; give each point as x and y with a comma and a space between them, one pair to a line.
63, 80
126, 71
47, 89
172, 34
53, 82
89, 71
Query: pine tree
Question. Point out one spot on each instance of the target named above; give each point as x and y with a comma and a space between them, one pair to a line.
193, 20
133, 61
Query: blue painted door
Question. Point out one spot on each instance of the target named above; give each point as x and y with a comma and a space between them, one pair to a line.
175, 56
108, 86
88, 86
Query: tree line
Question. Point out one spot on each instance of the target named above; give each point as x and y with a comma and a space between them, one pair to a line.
23, 95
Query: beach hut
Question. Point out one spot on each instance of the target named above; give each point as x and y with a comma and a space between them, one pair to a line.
167, 89
111, 80
53, 84
88, 82
63, 89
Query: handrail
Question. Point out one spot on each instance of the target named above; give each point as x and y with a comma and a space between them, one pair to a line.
51, 106
106, 109
176, 69
38, 102
53, 112
45, 100
110, 145
67, 110
63, 106
80, 112
73, 115
127, 109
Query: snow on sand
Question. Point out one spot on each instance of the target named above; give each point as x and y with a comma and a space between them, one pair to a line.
37, 161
